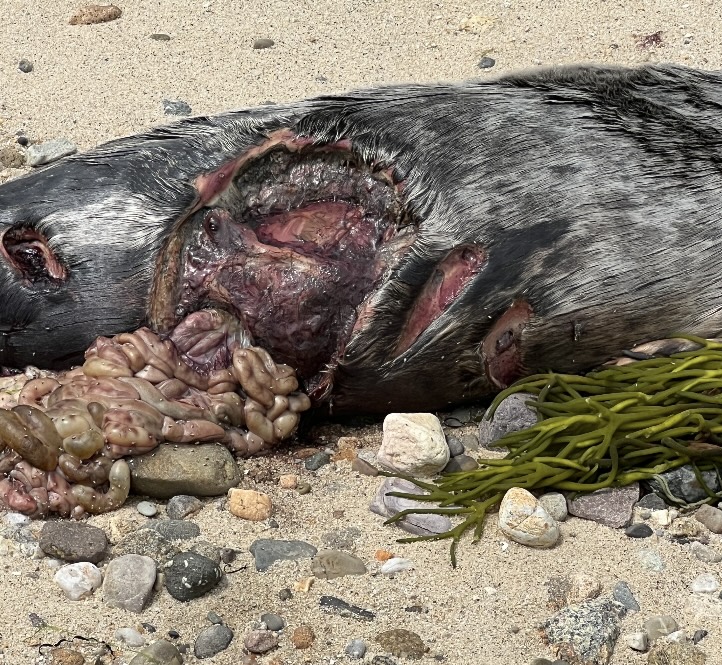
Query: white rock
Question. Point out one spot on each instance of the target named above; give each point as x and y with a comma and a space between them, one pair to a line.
78, 580
555, 503
130, 636
413, 443
523, 519
705, 583
676, 636
661, 517
396, 565
637, 641
16, 519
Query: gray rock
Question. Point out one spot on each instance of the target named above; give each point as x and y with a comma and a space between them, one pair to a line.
356, 649
182, 505
660, 625
711, 517
363, 467
73, 541
335, 605
203, 470
486, 62
638, 530
651, 560
471, 442
266, 551
160, 37
585, 633
683, 484
161, 652
512, 415
176, 107
612, 507
25, 66
191, 575
386, 506
652, 502
262, 43
260, 641
315, 462
212, 640
623, 594
461, 463
147, 508
128, 582
214, 618
456, 447
50, 151
146, 542
329, 564
705, 553
273, 621
174, 529
637, 641
555, 503
675, 653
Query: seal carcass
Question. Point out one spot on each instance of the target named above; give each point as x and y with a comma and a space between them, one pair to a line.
401, 248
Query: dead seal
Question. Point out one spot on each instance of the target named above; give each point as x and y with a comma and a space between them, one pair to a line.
402, 248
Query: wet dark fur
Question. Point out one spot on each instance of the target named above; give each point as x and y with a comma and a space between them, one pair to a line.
594, 190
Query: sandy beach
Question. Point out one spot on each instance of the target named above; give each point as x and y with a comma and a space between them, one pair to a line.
92, 83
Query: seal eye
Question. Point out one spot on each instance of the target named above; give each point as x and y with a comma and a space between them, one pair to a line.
211, 224
29, 252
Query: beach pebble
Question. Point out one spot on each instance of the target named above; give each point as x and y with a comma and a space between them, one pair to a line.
63, 656
176, 107
288, 481
356, 649
50, 151
651, 501
146, 542
677, 636
413, 443
396, 565
212, 640
160, 37
401, 643
262, 43
456, 447
612, 506
249, 504
364, 468
660, 625
704, 583
638, 530
699, 635
572, 589
18, 520
273, 621
386, 506
207, 469
316, 461
637, 641
78, 580
161, 652
130, 637
461, 463
512, 415
683, 483
182, 505
486, 62
73, 541
555, 503
338, 606
129, 582
711, 517
705, 553
587, 632
25, 66
174, 529
214, 618
329, 564
95, 14
147, 508
651, 560
260, 641
523, 519
302, 637
623, 594
675, 653
266, 551
191, 575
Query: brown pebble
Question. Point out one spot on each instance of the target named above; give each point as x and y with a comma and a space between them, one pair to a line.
402, 643
338, 514
249, 504
288, 481
364, 468
303, 637
305, 453
63, 656
383, 555
346, 449
304, 584
95, 14
260, 641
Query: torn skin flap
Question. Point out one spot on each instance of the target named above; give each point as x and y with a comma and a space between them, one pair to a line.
501, 353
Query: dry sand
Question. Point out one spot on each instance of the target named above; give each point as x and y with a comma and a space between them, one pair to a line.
93, 83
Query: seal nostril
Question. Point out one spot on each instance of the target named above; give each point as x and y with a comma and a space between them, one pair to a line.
29, 252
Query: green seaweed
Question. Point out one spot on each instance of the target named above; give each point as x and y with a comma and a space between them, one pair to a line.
608, 428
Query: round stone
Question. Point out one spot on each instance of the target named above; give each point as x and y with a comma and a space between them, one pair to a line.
212, 640
273, 621
639, 530
147, 508
262, 43
191, 575
25, 66
260, 641
486, 62
402, 643
356, 649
